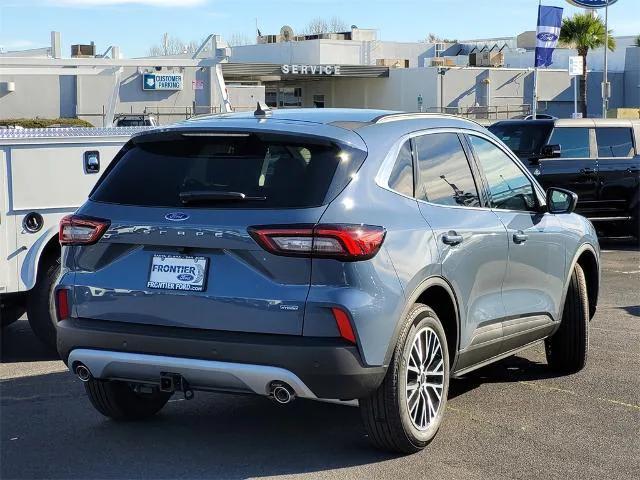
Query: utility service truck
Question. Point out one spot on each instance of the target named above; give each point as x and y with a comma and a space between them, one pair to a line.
45, 174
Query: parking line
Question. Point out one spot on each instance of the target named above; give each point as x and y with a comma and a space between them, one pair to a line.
575, 394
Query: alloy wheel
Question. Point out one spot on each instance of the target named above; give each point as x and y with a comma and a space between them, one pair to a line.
424, 378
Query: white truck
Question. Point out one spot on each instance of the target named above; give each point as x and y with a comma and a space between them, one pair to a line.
45, 174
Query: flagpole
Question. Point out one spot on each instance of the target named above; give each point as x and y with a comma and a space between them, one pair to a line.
605, 82
534, 107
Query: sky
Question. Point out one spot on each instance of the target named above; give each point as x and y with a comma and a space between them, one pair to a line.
136, 25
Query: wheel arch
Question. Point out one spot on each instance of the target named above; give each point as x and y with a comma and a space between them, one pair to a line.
587, 257
438, 294
45, 247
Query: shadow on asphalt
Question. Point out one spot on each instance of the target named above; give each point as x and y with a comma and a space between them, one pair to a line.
212, 436
632, 310
511, 369
19, 344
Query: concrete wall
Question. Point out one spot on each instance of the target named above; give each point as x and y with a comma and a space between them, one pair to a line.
632, 78
35, 96
343, 52
94, 91
398, 92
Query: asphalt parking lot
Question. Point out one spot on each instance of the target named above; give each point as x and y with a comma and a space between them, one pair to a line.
514, 419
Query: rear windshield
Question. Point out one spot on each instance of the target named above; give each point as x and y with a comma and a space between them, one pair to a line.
525, 139
217, 169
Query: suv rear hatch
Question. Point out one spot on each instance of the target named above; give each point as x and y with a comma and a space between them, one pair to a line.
180, 205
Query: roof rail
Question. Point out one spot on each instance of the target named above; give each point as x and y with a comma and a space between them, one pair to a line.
392, 117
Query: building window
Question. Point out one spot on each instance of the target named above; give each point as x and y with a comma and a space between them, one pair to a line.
290, 97
318, 101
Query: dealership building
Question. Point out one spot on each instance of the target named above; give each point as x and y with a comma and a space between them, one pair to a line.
481, 78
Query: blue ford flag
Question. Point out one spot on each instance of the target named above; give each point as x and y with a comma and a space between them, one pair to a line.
549, 23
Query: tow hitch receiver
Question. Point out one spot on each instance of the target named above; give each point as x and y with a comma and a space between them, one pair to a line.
174, 382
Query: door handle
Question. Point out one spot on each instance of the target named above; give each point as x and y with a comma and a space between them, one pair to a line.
633, 170
587, 171
520, 237
452, 238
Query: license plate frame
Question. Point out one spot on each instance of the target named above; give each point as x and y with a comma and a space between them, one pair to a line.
198, 262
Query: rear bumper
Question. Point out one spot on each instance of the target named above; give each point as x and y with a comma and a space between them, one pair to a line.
325, 368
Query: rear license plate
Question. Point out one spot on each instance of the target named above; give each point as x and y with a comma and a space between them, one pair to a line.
178, 272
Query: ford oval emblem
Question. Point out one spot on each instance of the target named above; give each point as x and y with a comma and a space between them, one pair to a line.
547, 37
176, 216
185, 277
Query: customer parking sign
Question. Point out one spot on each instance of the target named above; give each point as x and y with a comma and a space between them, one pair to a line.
162, 81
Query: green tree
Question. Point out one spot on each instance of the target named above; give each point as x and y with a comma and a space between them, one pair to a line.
584, 32
638, 41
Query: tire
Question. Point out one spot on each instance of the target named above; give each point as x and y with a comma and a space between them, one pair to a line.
567, 349
40, 305
388, 419
118, 401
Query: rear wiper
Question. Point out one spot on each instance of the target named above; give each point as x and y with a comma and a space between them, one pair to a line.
201, 196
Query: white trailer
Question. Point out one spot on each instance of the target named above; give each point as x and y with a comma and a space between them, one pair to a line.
45, 174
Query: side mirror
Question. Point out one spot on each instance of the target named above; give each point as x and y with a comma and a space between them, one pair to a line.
560, 200
551, 151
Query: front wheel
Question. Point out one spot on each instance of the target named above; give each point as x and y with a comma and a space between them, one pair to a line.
404, 413
567, 349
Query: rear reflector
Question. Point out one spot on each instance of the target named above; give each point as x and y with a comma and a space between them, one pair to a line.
77, 230
344, 325
62, 304
342, 242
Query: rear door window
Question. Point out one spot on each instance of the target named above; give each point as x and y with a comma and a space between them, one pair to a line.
269, 172
401, 178
614, 142
445, 174
573, 141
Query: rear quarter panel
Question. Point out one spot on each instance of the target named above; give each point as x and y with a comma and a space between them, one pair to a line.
375, 291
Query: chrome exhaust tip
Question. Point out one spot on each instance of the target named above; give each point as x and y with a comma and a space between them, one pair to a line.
83, 372
282, 393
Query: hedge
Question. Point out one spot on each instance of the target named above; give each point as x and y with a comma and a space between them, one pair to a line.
44, 122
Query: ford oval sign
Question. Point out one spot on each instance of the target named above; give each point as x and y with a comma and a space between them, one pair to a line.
185, 277
592, 3
547, 37
176, 216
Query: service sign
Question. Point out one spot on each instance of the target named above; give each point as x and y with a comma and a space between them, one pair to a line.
591, 3
310, 69
162, 81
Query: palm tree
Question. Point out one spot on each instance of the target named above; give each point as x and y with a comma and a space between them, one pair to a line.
584, 32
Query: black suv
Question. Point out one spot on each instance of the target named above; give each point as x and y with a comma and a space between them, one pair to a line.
599, 159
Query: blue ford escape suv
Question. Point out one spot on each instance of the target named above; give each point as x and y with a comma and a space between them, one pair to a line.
323, 254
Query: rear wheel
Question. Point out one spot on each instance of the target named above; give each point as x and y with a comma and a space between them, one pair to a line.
405, 412
118, 400
567, 349
40, 305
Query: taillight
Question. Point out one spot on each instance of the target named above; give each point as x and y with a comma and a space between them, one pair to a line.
342, 242
63, 311
78, 230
